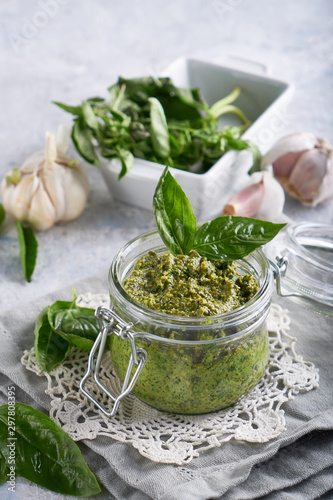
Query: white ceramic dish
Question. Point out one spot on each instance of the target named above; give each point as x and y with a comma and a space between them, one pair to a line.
262, 97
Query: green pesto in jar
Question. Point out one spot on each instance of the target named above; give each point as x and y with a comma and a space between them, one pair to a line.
192, 370
188, 285
198, 378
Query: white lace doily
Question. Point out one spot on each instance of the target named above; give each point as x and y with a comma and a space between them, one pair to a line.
177, 439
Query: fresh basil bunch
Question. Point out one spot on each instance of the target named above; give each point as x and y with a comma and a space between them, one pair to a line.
152, 119
59, 327
224, 238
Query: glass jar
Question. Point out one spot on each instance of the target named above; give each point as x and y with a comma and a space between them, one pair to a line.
308, 248
183, 374
197, 365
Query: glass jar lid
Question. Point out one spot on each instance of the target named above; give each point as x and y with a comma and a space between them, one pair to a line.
308, 251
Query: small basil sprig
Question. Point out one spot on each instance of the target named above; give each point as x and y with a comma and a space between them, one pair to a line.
59, 327
44, 453
224, 238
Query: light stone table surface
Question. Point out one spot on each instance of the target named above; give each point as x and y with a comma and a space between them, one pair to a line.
68, 50
83, 48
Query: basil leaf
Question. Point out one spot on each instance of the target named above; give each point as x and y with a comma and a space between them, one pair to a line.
59, 327
78, 325
50, 347
95, 100
235, 143
174, 215
45, 454
231, 238
127, 160
88, 116
4, 470
190, 97
82, 137
2, 214
28, 249
181, 103
139, 89
75, 110
159, 128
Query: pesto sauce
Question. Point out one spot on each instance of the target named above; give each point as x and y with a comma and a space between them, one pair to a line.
188, 285
196, 378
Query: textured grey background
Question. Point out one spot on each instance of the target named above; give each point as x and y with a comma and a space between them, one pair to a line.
68, 50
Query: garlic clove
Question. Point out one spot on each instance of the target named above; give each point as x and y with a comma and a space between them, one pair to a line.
50, 148
264, 199
302, 163
273, 201
16, 199
76, 189
306, 181
63, 138
34, 163
53, 180
67, 186
7, 195
326, 189
293, 143
42, 212
246, 203
284, 164
26, 188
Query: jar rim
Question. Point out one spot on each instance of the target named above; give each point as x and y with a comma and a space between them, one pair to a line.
227, 338
239, 314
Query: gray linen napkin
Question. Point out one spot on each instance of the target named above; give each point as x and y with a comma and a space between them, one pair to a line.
296, 465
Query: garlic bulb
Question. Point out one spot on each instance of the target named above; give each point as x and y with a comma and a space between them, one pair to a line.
263, 199
303, 164
48, 188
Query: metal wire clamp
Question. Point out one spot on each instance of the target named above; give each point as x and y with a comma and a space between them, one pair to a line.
115, 325
279, 271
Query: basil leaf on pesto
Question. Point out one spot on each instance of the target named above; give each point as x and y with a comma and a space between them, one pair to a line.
224, 238
174, 215
231, 238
